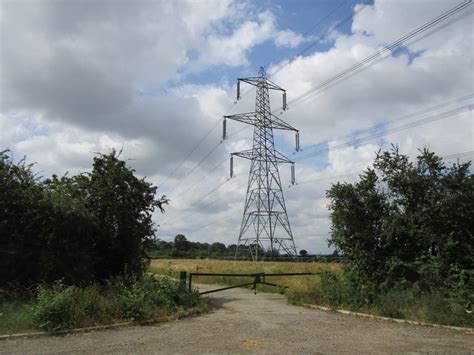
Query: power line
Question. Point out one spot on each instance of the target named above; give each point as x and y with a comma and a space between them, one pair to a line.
405, 117
209, 173
326, 178
334, 27
204, 206
208, 193
180, 193
391, 130
440, 18
451, 156
379, 134
395, 44
459, 155
316, 41
319, 39
190, 153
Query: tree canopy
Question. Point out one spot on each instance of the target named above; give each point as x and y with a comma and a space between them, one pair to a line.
406, 223
89, 226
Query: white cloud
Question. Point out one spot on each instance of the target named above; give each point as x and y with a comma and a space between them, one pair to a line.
70, 77
288, 38
233, 49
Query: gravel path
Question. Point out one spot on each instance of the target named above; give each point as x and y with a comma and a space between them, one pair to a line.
242, 322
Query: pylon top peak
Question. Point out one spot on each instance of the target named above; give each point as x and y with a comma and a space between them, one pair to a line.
262, 73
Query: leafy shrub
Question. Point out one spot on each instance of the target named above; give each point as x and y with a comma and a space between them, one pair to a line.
135, 303
164, 294
55, 307
335, 290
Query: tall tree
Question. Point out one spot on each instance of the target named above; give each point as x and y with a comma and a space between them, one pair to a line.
122, 205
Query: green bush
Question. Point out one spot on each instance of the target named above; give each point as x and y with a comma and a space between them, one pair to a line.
55, 307
335, 290
135, 303
144, 295
405, 222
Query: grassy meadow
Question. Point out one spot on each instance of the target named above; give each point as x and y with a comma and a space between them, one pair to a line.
296, 284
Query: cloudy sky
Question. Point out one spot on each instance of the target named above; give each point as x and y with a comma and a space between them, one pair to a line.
156, 77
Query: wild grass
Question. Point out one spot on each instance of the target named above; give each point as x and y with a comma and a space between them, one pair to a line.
16, 316
59, 306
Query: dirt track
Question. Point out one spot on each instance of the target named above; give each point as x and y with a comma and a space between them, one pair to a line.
265, 323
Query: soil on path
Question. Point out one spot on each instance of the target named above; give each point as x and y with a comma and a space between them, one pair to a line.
242, 322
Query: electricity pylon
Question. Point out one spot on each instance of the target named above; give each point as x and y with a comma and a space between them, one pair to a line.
265, 219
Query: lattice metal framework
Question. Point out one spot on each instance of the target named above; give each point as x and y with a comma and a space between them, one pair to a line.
265, 225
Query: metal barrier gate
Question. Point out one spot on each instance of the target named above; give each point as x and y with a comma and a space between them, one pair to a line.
258, 278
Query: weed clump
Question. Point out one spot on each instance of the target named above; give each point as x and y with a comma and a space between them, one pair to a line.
55, 308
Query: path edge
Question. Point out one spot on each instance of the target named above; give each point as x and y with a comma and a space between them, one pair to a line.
81, 330
395, 320
192, 313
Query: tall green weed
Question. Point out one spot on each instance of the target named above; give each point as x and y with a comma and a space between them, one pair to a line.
56, 307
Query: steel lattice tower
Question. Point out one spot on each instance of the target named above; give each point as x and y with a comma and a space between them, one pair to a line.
265, 224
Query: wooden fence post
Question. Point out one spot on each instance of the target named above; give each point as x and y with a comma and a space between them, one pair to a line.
182, 280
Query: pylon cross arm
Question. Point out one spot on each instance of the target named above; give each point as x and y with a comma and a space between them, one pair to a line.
278, 123
256, 81
252, 155
281, 158
246, 154
251, 118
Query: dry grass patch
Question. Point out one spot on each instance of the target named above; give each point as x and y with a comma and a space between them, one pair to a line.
299, 284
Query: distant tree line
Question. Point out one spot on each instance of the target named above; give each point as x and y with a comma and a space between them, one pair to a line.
180, 247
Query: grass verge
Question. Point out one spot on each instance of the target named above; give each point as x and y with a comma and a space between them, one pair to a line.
16, 316
336, 292
59, 307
